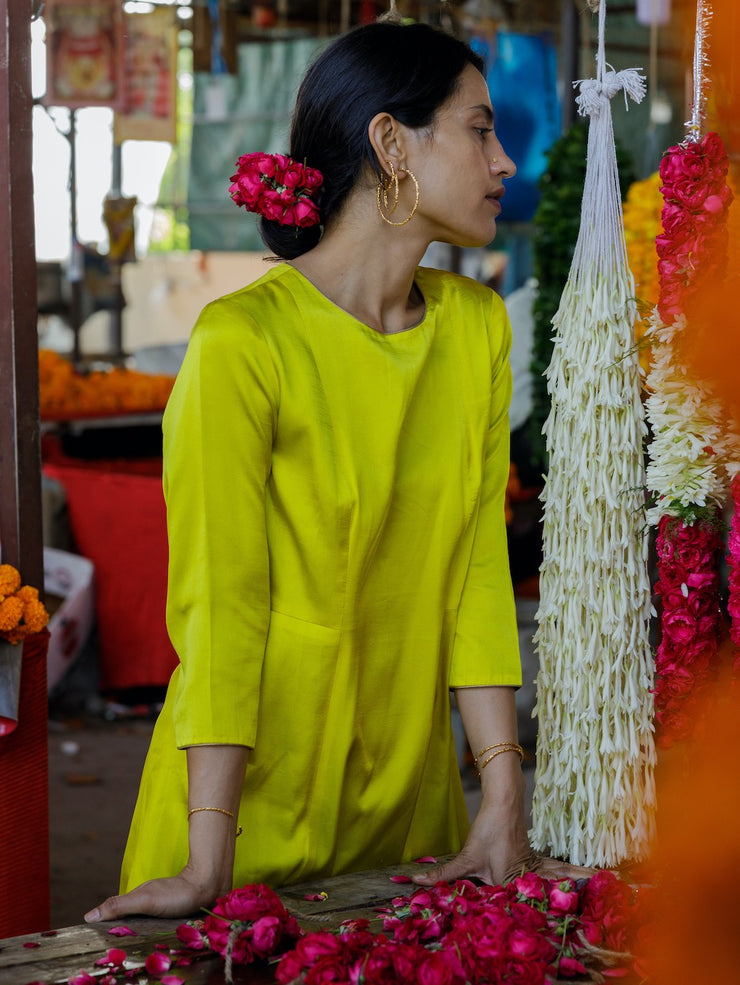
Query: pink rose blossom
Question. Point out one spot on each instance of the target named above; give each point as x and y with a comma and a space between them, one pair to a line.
563, 897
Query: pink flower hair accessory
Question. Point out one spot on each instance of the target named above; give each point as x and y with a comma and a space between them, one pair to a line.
277, 188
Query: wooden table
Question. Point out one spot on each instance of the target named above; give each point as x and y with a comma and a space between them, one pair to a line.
74, 949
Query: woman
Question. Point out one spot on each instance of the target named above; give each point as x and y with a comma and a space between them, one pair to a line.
336, 454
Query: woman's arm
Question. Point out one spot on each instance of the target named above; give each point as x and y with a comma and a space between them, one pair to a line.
215, 776
497, 848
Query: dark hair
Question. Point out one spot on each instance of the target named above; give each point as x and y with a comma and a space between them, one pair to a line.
408, 71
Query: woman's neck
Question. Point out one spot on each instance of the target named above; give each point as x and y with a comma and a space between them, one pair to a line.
369, 273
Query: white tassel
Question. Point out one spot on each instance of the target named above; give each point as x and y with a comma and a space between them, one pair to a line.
593, 799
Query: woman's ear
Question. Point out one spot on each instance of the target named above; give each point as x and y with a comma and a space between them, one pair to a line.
387, 139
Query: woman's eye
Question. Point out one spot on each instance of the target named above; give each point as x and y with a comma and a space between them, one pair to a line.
482, 131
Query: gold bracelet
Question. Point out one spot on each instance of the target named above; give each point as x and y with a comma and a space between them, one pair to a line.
504, 746
217, 810
501, 747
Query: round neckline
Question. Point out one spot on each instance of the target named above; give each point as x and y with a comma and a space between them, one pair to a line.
410, 331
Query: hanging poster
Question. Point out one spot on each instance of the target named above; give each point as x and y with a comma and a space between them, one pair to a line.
149, 110
84, 53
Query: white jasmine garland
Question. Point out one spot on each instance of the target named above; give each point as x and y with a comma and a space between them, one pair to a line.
594, 794
689, 450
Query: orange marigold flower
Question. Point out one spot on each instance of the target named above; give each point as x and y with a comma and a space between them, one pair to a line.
10, 580
11, 613
65, 391
28, 593
35, 616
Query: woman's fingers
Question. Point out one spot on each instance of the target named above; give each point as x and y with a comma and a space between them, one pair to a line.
109, 909
462, 866
174, 897
553, 868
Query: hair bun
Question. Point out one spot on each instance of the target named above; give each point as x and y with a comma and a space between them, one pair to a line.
288, 242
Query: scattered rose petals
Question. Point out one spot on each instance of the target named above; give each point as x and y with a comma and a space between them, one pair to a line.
191, 936
172, 980
48, 933
122, 932
114, 957
157, 963
400, 878
32, 944
426, 859
316, 897
82, 979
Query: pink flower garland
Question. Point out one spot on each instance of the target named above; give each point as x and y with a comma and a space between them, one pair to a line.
688, 559
733, 561
278, 188
696, 201
693, 242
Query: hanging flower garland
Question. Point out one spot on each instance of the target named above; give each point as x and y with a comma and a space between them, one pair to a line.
733, 562
641, 215
594, 794
686, 473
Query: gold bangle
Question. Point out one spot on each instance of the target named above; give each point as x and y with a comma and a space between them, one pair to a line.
217, 810
501, 747
504, 746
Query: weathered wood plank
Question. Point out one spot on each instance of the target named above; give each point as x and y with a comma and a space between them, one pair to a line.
74, 949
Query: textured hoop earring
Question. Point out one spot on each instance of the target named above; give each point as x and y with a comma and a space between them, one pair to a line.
385, 184
383, 188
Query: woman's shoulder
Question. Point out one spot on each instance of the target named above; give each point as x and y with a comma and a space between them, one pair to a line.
446, 287
255, 299
256, 312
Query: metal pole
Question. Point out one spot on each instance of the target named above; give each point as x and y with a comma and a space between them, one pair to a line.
570, 60
76, 272
116, 315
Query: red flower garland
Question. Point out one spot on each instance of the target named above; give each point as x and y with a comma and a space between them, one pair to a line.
733, 561
693, 244
532, 931
278, 188
250, 924
688, 560
696, 201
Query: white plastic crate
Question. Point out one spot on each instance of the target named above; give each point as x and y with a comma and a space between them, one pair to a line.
70, 577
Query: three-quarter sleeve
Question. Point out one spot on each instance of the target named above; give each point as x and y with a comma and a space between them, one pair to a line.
486, 645
218, 436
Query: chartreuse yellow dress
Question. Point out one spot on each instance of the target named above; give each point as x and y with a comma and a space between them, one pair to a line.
337, 563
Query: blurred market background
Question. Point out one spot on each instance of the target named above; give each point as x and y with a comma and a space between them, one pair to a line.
140, 112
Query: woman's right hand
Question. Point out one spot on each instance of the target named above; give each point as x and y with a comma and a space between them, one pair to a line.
182, 895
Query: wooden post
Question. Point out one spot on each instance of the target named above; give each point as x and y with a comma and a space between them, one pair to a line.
24, 801
20, 465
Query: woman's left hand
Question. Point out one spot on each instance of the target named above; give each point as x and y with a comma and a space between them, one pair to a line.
497, 850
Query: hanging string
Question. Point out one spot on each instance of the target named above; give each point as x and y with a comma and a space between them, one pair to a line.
391, 14
596, 93
695, 126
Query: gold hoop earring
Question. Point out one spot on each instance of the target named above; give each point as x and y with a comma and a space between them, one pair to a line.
383, 188
385, 184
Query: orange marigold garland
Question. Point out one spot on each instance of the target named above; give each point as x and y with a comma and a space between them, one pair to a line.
65, 392
641, 213
21, 612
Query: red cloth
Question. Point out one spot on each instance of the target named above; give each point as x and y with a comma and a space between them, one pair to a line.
117, 516
24, 802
